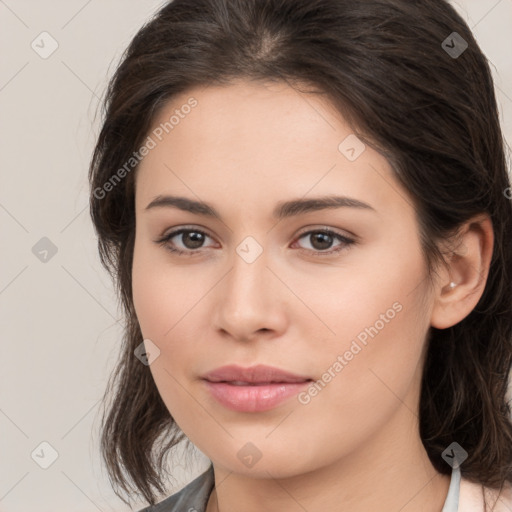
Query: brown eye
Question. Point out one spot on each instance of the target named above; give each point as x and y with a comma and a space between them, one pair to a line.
187, 241
322, 240
192, 239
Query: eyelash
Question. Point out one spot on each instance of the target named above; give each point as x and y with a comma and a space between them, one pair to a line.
346, 242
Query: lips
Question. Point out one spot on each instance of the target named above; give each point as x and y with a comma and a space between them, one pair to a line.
256, 389
255, 375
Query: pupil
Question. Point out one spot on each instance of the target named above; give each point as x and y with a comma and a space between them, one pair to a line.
322, 237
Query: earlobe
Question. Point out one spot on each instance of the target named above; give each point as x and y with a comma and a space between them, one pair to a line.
462, 280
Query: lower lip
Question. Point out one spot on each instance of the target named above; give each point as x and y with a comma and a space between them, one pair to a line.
253, 398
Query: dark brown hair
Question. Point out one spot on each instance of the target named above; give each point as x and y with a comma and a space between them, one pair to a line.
386, 66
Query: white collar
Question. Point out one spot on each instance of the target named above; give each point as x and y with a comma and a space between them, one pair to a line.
451, 503
466, 496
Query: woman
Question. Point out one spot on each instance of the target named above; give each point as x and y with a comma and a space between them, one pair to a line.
305, 208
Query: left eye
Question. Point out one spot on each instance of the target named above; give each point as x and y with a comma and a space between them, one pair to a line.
193, 239
320, 240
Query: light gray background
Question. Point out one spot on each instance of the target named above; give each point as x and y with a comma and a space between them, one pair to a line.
59, 319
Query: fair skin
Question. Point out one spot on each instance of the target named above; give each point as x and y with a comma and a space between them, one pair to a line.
355, 446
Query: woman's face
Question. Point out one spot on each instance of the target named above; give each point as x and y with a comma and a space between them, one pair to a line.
349, 310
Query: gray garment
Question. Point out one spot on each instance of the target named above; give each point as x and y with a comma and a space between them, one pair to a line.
194, 496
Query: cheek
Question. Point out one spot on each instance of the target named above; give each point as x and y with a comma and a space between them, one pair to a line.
147, 293
162, 294
364, 293
165, 301
367, 375
380, 360
380, 318
161, 312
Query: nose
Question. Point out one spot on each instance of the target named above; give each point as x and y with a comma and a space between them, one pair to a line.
250, 301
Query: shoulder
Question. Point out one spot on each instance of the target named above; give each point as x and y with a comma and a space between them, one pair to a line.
192, 498
471, 498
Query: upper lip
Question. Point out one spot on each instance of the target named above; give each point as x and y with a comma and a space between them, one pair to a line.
260, 373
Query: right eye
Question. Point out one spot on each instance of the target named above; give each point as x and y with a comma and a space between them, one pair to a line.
193, 240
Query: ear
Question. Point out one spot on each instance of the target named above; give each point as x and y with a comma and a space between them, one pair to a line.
461, 282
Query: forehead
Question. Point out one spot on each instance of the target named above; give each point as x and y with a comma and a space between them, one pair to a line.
253, 142
251, 119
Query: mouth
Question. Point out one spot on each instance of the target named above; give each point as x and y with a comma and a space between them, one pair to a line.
240, 383
254, 375
255, 389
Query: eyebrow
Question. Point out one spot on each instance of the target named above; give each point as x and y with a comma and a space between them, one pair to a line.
282, 210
